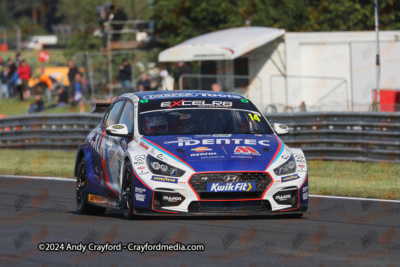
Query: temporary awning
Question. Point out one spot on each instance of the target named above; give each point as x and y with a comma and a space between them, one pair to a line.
221, 45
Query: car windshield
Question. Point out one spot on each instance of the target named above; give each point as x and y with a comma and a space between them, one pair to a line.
195, 119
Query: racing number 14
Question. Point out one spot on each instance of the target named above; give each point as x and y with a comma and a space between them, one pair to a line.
254, 117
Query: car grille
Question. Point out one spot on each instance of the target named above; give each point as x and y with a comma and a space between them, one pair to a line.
199, 183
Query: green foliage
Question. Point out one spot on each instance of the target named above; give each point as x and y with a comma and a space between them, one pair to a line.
82, 42
179, 20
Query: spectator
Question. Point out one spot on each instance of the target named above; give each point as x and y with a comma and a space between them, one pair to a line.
144, 83
71, 73
12, 68
76, 94
184, 68
18, 59
24, 73
167, 82
4, 83
124, 76
15, 82
62, 98
117, 14
153, 85
215, 87
37, 106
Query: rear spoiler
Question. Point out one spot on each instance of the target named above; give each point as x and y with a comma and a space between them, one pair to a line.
98, 107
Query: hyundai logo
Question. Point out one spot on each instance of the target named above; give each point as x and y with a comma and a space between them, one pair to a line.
231, 179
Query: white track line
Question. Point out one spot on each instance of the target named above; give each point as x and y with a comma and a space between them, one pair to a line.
357, 198
38, 178
74, 180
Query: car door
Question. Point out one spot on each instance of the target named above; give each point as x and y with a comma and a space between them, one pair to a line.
120, 144
109, 151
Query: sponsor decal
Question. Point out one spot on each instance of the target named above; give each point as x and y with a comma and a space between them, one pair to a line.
95, 199
305, 189
283, 127
140, 197
102, 200
191, 95
160, 156
226, 141
305, 196
143, 101
204, 154
285, 156
246, 150
231, 187
196, 103
290, 178
299, 158
172, 199
201, 149
118, 127
301, 166
140, 158
173, 172
164, 179
221, 135
141, 167
283, 197
144, 145
140, 190
144, 172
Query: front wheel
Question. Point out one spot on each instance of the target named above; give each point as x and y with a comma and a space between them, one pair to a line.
127, 191
82, 204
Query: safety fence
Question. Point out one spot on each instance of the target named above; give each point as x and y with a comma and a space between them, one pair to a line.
367, 136
46, 131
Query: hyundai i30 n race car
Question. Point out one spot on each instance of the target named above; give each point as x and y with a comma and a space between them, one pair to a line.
188, 153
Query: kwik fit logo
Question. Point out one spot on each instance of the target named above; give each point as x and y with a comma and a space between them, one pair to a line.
231, 187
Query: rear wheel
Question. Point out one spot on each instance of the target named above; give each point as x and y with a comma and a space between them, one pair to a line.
82, 204
127, 192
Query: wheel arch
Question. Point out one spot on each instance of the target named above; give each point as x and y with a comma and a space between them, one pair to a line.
80, 155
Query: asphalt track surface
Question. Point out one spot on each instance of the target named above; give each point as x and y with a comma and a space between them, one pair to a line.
336, 232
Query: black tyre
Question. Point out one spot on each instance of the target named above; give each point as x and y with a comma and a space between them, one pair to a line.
127, 192
82, 204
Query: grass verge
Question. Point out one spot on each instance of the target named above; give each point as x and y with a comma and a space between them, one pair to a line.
370, 180
13, 106
355, 179
37, 162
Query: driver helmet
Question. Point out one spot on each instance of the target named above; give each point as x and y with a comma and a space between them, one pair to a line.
155, 124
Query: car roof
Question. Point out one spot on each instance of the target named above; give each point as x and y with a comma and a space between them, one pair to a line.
186, 93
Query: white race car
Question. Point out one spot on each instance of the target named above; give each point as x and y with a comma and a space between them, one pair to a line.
189, 153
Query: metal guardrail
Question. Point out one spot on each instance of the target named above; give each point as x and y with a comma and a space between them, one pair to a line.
46, 131
366, 136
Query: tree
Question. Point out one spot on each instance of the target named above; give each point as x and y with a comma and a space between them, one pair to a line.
179, 20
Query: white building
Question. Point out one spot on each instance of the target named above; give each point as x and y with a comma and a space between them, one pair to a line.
328, 71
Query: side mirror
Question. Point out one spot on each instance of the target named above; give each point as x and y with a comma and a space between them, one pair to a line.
281, 129
118, 130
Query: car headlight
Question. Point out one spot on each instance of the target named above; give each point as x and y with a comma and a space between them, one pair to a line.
157, 166
287, 167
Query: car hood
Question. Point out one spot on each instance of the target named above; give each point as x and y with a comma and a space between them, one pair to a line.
211, 153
